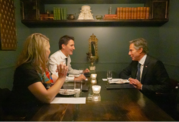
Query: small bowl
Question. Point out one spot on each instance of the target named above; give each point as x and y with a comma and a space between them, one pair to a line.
71, 17
99, 17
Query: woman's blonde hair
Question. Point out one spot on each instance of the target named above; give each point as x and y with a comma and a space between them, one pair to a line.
34, 52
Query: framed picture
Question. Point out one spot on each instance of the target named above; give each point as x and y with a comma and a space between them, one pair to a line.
8, 38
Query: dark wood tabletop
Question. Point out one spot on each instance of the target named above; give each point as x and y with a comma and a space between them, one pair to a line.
118, 104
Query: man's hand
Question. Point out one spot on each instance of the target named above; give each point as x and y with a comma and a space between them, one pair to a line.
135, 83
80, 78
86, 70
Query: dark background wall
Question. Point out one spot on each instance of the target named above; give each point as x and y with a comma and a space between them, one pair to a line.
169, 41
113, 43
8, 58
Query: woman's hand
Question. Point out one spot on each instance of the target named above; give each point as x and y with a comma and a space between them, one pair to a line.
62, 70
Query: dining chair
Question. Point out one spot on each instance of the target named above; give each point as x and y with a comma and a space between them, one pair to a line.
4, 93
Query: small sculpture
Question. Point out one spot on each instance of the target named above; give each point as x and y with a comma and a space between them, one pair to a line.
85, 13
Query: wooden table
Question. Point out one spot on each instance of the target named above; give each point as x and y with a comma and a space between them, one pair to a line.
126, 104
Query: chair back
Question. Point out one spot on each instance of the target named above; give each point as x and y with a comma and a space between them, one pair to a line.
4, 93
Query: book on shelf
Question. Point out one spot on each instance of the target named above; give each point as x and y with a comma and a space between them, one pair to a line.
127, 13
147, 13
138, 13
46, 17
54, 13
123, 13
64, 13
119, 12
60, 13
110, 17
132, 12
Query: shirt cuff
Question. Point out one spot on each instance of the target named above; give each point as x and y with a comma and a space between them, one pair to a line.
68, 79
80, 71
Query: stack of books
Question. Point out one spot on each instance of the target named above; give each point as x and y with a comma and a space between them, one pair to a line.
132, 12
46, 17
60, 13
110, 17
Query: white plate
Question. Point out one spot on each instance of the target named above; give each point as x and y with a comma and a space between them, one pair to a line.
119, 81
67, 92
71, 75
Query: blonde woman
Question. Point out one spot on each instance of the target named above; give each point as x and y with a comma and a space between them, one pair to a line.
29, 89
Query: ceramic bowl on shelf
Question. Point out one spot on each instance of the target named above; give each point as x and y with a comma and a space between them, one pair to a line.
71, 16
99, 17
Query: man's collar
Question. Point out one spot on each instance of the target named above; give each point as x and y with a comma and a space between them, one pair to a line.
142, 60
63, 55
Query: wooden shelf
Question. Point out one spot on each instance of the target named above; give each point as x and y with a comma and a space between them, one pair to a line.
92, 1
80, 23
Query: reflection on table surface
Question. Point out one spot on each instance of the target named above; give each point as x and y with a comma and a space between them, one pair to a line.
124, 104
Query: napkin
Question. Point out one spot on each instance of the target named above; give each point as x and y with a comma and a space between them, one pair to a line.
71, 100
119, 81
104, 79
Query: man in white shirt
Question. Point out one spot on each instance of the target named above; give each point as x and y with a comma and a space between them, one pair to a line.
66, 46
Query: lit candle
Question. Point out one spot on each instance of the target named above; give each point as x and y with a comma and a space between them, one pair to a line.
93, 76
96, 97
93, 81
96, 89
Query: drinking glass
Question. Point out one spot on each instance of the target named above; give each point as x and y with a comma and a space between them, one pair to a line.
109, 76
77, 88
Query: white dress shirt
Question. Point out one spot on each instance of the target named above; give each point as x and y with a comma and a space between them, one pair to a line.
142, 61
57, 58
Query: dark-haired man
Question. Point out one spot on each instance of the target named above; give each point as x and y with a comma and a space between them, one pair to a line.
145, 72
66, 46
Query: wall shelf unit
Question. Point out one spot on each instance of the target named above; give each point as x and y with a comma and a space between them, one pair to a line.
158, 13
72, 23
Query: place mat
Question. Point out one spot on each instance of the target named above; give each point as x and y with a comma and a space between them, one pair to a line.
119, 86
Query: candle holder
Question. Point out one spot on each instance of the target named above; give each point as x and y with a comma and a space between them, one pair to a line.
96, 89
93, 76
96, 97
93, 81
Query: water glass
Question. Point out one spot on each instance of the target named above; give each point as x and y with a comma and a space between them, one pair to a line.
77, 88
109, 76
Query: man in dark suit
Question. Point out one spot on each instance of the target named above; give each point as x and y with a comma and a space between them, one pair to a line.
145, 72
149, 76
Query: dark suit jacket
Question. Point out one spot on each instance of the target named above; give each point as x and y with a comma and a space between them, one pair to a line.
154, 77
